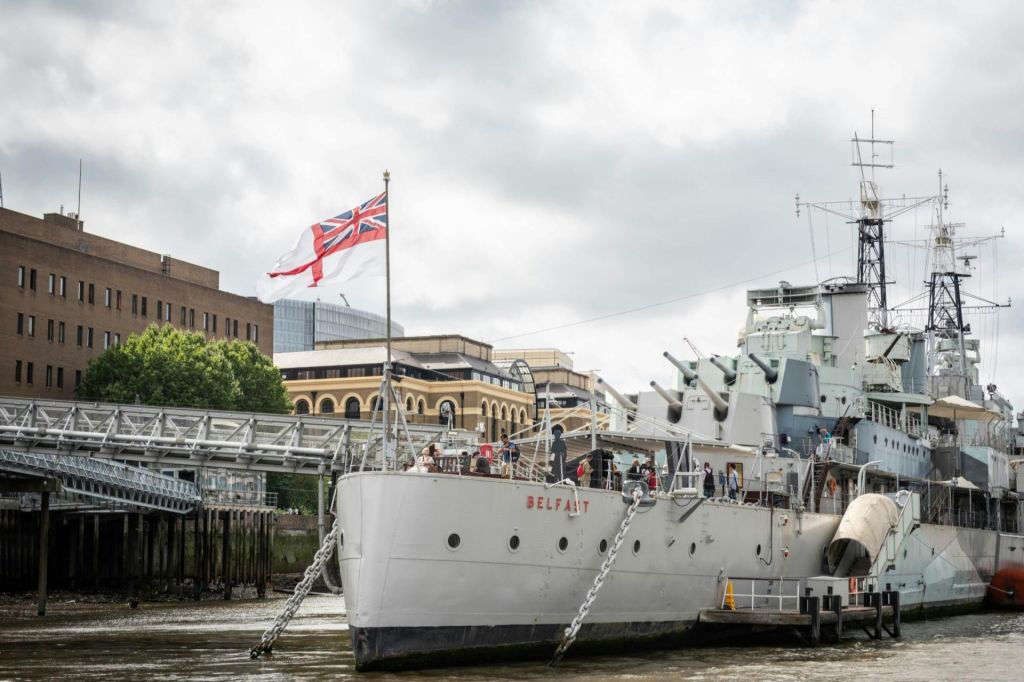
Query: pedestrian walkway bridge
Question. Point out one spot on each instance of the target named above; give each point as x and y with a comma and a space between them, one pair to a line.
189, 438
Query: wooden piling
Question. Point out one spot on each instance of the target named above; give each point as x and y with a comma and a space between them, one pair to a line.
95, 573
814, 608
44, 543
226, 556
895, 600
876, 600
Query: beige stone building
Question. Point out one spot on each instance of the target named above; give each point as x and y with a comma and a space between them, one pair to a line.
66, 295
447, 379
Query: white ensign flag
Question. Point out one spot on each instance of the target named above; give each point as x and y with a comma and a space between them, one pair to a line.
344, 247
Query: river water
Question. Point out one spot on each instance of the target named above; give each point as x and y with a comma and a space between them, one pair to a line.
208, 641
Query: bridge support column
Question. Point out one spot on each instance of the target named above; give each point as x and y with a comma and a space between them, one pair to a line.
44, 545
261, 550
95, 550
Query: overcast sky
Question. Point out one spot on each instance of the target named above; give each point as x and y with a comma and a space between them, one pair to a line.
551, 162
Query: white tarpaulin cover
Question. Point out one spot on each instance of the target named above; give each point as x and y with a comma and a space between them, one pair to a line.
955, 407
867, 521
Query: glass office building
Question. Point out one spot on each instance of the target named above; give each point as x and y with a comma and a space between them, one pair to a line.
298, 323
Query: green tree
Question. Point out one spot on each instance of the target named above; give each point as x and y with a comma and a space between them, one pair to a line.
162, 366
170, 367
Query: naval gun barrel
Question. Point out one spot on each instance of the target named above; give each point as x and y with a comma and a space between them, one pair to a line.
721, 407
688, 373
730, 375
770, 375
623, 400
674, 402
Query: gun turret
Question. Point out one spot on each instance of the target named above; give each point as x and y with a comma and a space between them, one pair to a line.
674, 402
721, 407
688, 373
770, 375
730, 376
623, 400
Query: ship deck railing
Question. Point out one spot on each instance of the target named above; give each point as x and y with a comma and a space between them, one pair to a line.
761, 595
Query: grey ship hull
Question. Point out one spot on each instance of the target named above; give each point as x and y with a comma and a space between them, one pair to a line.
412, 599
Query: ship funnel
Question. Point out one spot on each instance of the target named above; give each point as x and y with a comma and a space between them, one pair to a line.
730, 376
623, 400
688, 373
770, 375
674, 402
721, 407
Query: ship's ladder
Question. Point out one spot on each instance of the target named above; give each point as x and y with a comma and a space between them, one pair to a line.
639, 494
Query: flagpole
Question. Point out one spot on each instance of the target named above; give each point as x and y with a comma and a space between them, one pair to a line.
387, 357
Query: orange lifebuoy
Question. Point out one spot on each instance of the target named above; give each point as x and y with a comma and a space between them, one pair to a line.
853, 586
832, 486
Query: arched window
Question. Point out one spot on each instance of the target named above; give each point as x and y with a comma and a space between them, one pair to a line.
327, 406
302, 407
409, 404
522, 417
375, 404
446, 413
352, 408
513, 428
422, 409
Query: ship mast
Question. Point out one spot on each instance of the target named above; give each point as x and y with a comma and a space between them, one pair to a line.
874, 212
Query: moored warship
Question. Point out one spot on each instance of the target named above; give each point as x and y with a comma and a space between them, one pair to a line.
866, 450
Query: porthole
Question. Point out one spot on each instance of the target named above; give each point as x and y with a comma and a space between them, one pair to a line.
757, 552
563, 544
843, 400
513, 543
454, 541
341, 539
636, 547
876, 439
822, 398
693, 548
602, 546
886, 442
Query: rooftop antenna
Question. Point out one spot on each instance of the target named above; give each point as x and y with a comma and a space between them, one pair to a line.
347, 305
78, 214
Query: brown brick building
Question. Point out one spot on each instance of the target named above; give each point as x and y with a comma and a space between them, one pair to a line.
66, 295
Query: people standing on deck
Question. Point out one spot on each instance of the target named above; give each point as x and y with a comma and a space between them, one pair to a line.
426, 463
585, 470
634, 470
709, 480
558, 452
509, 455
733, 482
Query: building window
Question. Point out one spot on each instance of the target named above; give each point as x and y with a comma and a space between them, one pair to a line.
118, 299
327, 406
60, 377
106, 340
78, 336
248, 331
32, 279
60, 332
17, 371
192, 317
227, 326
49, 376
167, 312
159, 309
234, 327
143, 306
206, 322
78, 377
214, 323
117, 339
184, 315
31, 325
21, 276
135, 304
21, 323
81, 291
89, 338
51, 284
106, 297
255, 333
92, 293
352, 408
49, 330
28, 373
63, 286
302, 407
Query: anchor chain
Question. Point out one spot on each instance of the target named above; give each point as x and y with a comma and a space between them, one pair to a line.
301, 591
569, 636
